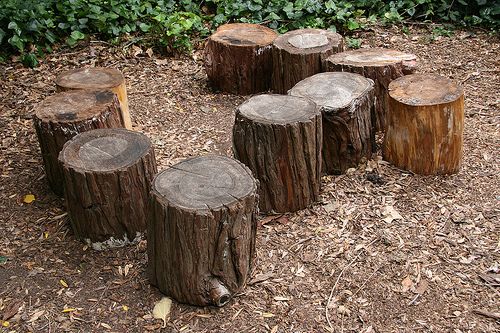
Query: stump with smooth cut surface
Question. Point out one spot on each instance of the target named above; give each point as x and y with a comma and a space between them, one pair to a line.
379, 64
97, 78
62, 116
346, 101
425, 124
301, 53
238, 58
201, 230
279, 138
107, 177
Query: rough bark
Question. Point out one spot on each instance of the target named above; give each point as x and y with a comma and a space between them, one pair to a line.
97, 78
380, 65
107, 177
64, 115
346, 101
279, 138
202, 229
301, 53
425, 124
238, 58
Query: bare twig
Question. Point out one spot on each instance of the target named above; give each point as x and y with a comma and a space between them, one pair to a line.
493, 315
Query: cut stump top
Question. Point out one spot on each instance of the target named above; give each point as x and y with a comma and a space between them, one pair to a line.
90, 78
332, 90
371, 57
244, 34
424, 89
205, 183
307, 40
278, 109
105, 150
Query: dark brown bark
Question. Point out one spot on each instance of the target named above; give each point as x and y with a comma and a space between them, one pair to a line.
301, 53
380, 65
64, 115
238, 58
279, 138
107, 177
201, 230
346, 101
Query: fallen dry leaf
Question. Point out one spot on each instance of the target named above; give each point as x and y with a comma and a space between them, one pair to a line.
407, 283
162, 310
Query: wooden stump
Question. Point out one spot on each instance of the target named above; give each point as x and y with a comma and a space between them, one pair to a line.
97, 78
201, 230
301, 53
425, 124
238, 58
107, 177
380, 65
346, 101
62, 116
279, 138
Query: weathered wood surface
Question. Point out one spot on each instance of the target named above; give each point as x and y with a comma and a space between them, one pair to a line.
64, 115
379, 64
346, 101
279, 138
202, 229
238, 58
425, 124
301, 53
107, 177
97, 78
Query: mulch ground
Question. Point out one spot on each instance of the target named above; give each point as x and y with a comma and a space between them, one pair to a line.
399, 253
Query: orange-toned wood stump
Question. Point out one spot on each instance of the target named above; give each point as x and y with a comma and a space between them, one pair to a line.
301, 53
97, 78
238, 58
425, 124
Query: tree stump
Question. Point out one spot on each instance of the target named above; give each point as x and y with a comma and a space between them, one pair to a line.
425, 124
346, 101
62, 116
238, 58
97, 78
279, 138
380, 65
301, 53
201, 230
107, 177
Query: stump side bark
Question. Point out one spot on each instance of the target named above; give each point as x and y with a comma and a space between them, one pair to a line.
301, 53
279, 138
62, 116
97, 78
379, 64
107, 177
202, 229
238, 58
346, 101
425, 124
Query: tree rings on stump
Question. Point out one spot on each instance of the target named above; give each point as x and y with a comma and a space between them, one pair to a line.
96, 78
346, 101
201, 230
425, 124
62, 116
279, 138
107, 177
301, 53
379, 64
238, 58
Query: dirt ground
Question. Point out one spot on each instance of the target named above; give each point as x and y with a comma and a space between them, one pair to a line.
349, 263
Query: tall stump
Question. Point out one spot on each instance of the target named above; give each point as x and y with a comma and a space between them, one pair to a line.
346, 101
201, 230
238, 58
379, 64
425, 124
279, 138
302, 53
97, 78
64, 115
107, 177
